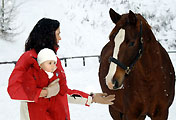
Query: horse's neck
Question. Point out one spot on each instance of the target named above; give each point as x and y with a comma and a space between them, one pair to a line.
151, 50
151, 55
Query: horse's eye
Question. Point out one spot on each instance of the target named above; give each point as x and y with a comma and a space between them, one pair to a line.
131, 44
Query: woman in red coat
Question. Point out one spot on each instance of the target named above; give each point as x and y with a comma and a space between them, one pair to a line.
27, 81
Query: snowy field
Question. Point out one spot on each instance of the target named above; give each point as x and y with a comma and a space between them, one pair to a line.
84, 31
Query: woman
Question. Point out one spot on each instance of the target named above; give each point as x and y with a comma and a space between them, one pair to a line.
27, 81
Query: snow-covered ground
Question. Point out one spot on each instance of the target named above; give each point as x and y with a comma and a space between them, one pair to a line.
85, 26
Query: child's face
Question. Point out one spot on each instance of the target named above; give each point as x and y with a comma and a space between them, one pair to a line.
49, 65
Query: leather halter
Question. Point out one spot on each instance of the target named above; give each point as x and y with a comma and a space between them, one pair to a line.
139, 54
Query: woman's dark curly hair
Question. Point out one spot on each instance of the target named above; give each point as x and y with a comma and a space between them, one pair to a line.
43, 35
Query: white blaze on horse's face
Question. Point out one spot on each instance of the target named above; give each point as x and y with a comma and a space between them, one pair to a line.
119, 38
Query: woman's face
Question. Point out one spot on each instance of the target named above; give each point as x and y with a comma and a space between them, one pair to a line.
57, 33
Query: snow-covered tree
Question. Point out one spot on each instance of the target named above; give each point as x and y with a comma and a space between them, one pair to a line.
7, 16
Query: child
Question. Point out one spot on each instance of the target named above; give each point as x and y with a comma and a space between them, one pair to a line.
47, 61
57, 87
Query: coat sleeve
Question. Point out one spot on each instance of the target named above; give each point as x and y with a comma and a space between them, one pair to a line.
18, 89
74, 96
79, 97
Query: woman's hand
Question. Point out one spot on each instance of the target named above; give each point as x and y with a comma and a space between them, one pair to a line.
52, 89
43, 93
103, 98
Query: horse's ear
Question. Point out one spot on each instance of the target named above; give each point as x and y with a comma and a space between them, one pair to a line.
114, 16
132, 18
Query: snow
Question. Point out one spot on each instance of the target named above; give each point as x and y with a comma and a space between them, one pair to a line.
85, 26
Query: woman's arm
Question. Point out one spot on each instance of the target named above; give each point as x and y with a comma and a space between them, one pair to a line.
20, 84
79, 97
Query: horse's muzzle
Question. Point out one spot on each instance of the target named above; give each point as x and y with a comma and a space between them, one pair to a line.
116, 84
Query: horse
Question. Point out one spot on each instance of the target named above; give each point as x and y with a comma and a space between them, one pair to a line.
137, 69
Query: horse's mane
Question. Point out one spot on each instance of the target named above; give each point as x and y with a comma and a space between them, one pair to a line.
143, 21
146, 29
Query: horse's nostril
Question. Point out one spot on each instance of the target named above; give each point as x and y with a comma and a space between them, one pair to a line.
113, 81
116, 84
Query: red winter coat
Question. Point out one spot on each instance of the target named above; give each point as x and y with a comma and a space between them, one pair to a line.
26, 82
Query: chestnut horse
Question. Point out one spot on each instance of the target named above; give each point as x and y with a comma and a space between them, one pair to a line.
137, 69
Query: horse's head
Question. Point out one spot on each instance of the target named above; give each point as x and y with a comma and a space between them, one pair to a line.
127, 37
